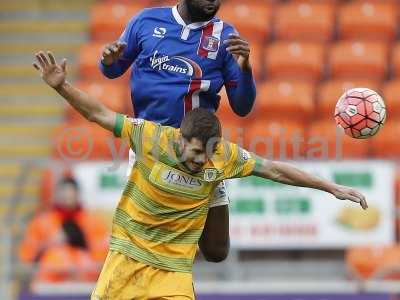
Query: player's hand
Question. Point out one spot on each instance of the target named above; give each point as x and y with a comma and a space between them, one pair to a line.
112, 52
345, 193
240, 50
52, 73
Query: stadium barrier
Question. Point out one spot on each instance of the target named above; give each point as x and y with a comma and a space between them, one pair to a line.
261, 290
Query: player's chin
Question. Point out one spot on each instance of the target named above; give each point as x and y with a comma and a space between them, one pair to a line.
195, 167
209, 11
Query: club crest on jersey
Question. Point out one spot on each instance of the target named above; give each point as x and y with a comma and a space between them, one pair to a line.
210, 44
210, 175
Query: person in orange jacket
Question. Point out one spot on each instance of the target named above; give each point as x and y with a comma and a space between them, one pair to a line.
69, 261
47, 229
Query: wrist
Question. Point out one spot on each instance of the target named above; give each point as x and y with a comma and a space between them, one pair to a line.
61, 87
246, 67
106, 62
331, 188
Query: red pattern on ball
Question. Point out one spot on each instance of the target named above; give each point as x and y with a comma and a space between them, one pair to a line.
355, 112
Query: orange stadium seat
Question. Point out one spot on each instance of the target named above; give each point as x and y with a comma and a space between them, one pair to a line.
88, 61
386, 144
397, 195
257, 60
275, 138
364, 261
66, 263
359, 60
305, 21
367, 21
395, 63
164, 3
233, 131
251, 18
374, 262
332, 2
142, 2
114, 96
330, 91
145, 3
391, 95
325, 141
225, 113
285, 100
292, 60
229, 2
108, 20
85, 141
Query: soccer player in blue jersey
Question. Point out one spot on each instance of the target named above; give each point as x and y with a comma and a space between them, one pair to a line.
181, 58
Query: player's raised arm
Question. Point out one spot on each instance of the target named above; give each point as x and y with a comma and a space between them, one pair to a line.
288, 174
55, 76
238, 77
118, 56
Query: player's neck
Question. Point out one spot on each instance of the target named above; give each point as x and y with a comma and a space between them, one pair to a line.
185, 14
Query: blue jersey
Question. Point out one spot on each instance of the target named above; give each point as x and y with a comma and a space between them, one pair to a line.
178, 67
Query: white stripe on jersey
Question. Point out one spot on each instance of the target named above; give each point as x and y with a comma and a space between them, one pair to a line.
217, 31
204, 86
185, 33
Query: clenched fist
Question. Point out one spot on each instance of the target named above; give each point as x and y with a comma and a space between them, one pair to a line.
112, 52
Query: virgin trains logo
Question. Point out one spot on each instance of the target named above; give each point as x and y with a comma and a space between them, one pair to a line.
176, 64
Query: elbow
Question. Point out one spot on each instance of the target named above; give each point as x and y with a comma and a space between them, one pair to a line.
111, 75
243, 111
243, 106
217, 255
108, 71
91, 117
215, 252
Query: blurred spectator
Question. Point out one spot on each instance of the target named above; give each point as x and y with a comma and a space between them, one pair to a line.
65, 236
59, 263
374, 262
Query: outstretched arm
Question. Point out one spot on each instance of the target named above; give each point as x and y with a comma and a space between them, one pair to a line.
288, 174
55, 76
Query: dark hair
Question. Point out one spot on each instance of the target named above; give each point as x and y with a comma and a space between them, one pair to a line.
75, 236
201, 124
69, 181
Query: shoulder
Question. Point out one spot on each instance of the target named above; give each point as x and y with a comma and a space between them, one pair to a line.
227, 28
152, 12
233, 153
224, 154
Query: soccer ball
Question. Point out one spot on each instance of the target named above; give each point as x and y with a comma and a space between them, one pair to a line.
360, 112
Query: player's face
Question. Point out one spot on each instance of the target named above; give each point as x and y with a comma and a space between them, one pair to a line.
194, 155
203, 10
67, 196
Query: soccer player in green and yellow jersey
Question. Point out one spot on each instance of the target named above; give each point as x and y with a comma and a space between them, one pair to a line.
163, 209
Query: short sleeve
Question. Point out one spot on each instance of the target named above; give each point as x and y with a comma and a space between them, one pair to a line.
240, 162
129, 129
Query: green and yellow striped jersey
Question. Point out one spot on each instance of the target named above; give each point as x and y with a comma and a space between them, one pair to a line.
163, 208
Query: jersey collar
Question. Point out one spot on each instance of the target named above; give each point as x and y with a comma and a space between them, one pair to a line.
180, 21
